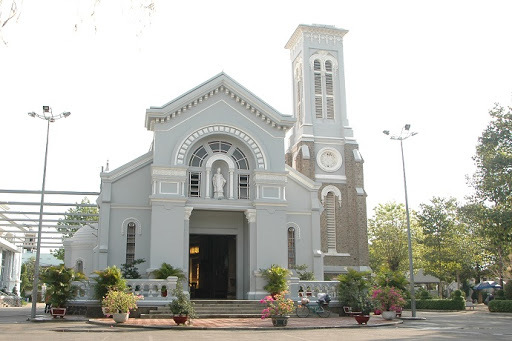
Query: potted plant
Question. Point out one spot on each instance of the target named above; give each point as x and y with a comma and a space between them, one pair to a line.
119, 303
58, 281
106, 280
181, 307
165, 271
277, 279
388, 300
352, 288
278, 308
364, 305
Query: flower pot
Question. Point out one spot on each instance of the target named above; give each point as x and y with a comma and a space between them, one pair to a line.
280, 320
58, 312
106, 312
121, 317
362, 319
180, 319
388, 315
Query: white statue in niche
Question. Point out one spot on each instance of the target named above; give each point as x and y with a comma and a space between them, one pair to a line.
218, 185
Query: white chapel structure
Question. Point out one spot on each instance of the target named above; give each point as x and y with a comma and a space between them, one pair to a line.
231, 186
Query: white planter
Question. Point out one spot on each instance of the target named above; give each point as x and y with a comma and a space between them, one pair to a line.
121, 317
388, 315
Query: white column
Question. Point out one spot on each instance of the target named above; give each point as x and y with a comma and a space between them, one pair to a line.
231, 182
186, 240
208, 180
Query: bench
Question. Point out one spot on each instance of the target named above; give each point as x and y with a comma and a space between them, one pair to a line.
348, 311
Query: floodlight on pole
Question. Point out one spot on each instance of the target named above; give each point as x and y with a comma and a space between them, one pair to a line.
49, 117
405, 133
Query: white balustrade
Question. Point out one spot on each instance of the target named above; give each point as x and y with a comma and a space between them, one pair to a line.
153, 290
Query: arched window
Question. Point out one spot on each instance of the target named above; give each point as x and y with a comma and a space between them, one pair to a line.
197, 174
198, 156
330, 209
130, 243
291, 247
79, 267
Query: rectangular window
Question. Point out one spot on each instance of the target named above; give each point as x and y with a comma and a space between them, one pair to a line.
243, 187
194, 184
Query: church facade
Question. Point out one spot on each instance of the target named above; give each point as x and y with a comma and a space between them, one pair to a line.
231, 186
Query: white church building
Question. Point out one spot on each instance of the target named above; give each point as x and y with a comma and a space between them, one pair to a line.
231, 186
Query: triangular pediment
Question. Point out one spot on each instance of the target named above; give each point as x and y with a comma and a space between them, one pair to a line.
220, 84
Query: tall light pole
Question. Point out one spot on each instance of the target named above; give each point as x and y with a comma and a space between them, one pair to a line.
50, 118
405, 133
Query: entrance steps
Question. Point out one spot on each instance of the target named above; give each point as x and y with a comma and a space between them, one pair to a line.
214, 309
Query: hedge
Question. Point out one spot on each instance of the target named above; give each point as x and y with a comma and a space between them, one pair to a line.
436, 304
500, 306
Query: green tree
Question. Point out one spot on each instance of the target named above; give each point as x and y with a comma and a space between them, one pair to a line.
492, 203
73, 220
387, 234
130, 270
77, 217
444, 239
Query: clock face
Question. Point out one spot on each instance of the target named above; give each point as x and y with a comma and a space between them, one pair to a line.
329, 159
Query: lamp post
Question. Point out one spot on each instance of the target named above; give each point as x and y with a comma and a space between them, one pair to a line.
50, 118
405, 133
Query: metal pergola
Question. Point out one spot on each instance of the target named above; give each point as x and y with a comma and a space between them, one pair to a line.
19, 215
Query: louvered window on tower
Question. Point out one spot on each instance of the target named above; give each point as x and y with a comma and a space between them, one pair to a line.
324, 89
318, 89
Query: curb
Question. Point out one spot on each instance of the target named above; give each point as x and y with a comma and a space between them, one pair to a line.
192, 327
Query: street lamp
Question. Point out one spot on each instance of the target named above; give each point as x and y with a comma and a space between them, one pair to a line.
50, 118
405, 133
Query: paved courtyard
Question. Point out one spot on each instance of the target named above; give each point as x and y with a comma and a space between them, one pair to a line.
469, 325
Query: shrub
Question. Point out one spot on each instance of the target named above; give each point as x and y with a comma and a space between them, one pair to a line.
130, 270
181, 305
500, 306
119, 301
423, 294
167, 270
352, 287
277, 279
508, 290
58, 279
388, 298
437, 304
108, 279
500, 295
303, 274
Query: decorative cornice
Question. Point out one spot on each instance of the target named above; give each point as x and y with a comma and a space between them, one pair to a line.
322, 33
154, 115
127, 168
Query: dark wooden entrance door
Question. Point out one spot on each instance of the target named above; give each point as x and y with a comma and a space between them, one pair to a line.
212, 266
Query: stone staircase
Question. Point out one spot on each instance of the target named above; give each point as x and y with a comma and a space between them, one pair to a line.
214, 309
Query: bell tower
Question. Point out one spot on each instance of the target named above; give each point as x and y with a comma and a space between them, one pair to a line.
321, 144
